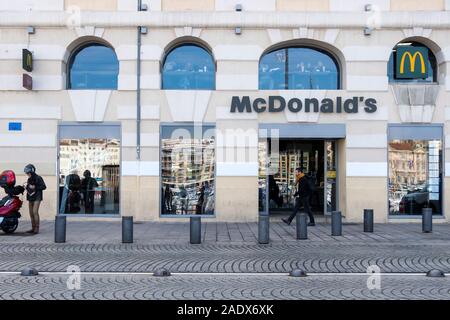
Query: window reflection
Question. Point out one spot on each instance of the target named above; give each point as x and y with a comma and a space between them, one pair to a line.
430, 65
89, 176
298, 69
94, 67
415, 176
188, 170
189, 67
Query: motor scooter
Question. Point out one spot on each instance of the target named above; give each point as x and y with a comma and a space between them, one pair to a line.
11, 203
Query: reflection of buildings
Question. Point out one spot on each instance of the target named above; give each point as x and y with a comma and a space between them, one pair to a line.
187, 162
408, 163
88, 154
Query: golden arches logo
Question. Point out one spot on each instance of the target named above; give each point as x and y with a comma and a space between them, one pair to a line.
412, 61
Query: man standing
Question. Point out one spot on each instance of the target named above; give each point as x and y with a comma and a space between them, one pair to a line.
34, 186
302, 196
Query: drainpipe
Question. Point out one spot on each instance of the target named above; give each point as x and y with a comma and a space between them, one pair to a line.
138, 90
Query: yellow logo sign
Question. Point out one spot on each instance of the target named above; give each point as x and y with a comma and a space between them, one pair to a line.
412, 62
416, 57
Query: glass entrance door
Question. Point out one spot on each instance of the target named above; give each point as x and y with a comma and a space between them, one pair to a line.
278, 159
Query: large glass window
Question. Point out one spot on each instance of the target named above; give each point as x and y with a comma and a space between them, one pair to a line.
189, 67
415, 176
298, 69
89, 176
430, 65
187, 170
94, 66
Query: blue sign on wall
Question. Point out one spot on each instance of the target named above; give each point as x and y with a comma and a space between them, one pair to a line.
15, 126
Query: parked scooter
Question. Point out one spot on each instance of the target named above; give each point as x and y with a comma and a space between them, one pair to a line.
11, 203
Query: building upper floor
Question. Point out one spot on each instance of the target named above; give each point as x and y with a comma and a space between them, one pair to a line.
226, 5
75, 47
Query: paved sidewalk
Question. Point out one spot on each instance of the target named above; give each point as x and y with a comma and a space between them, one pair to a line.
101, 232
230, 248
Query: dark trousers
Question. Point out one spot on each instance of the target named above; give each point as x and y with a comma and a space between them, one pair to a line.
299, 202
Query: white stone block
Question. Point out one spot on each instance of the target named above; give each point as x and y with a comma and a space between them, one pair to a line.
247, 5
238, 52
367, 83
32, 5
237, 169
237, 82
363, 141
89, 105
367, 169
358, 5
188, 105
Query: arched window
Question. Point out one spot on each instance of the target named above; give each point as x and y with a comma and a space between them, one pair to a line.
405, 74
93, 66
189, 67
298, 68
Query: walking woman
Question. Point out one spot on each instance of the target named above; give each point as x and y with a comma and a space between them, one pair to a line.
34, 186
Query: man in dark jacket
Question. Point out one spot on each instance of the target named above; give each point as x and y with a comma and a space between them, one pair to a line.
302, 196
88, 185
34, 186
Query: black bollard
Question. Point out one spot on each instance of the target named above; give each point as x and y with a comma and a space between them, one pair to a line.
336, 223
427, 220
368, 220
196, 230
263, 229
302, 226
127, 229
60, 229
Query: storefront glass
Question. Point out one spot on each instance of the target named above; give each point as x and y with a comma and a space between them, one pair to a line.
89, 176
187, 170
415, 176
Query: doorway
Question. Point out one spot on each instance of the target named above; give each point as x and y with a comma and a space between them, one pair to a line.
278, 159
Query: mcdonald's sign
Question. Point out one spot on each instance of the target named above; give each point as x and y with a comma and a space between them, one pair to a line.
27, 60
411, 62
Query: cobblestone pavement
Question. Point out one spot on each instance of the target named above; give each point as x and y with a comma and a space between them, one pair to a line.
96, 247
237, 287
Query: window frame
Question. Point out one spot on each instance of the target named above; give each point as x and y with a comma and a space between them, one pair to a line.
76, 51
160, 181
324, 51
174, 47
411, 132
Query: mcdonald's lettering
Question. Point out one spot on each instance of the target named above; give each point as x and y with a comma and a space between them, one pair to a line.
412, 62
27, 60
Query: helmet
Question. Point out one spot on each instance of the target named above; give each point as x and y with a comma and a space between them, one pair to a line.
29, 168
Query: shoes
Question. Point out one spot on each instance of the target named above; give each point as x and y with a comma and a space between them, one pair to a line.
30, 231
36, 230
311, 224
286, 221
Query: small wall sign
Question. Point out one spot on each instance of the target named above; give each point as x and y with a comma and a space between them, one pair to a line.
15, 126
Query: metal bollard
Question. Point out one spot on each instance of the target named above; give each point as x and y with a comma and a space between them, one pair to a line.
336, 223
302, 226
196, 230
263, 229
127, 229
427, 220
60, 229
368, 220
